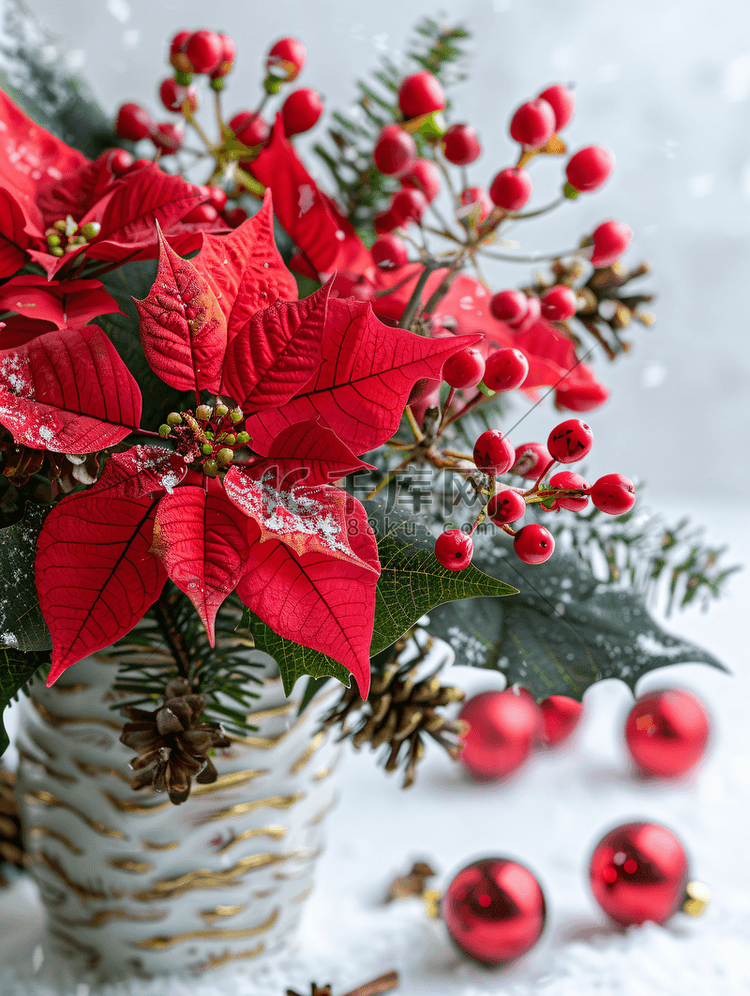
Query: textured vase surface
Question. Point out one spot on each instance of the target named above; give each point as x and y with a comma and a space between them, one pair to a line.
134, 885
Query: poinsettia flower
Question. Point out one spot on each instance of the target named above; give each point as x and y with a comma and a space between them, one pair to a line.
43, 305
314, 382
49, 187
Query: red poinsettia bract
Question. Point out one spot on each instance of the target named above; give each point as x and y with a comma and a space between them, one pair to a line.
319, 382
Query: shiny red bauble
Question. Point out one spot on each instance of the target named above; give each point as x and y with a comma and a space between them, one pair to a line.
569, 441
533, 544
423, 176
511, 189
589, 168
395, 151
667, 732
461, 145
611, 239
613, 494
421, 94
493, 453
506, 369
563, 103
300, 111
639, 872
533, 124
494, 910
560, 716
503, 727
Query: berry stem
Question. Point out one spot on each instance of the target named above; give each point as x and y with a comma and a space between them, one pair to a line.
418, 434
534, 257
467, 407
541, 477
190, 118
410, 311
444, 170
516, 216
483, 514
388, 477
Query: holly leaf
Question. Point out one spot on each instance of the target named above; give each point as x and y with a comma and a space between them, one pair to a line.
563, 631
245, 269
16, 669
68, 392
363, 384
95, 573
200, 538
64, 303
183, 329
308, 453
276, 353
22, 626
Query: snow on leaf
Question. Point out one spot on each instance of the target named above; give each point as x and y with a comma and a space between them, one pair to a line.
140, 471
364, 381
183, 329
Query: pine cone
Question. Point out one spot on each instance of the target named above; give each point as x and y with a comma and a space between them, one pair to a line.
400, 710
171, 742
11, 842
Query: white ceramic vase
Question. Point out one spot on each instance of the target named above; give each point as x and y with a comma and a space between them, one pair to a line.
134, 885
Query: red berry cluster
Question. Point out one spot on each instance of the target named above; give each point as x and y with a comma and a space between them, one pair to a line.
494, 456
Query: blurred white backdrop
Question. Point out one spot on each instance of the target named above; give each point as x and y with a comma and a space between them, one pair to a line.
666, 86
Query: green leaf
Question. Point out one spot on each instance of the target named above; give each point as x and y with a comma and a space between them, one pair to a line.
21, 624
16, 668
411, 583
563, 631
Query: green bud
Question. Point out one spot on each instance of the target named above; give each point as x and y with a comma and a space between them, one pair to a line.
164, 430
273, 84
217, 84
203, 412
570, 191
225, 455
53, 240
236, 415
70, 247
50, 231
183, 79
229, 438
242, 438
207, 449
220, 411
57, 251
210, 468
60, 226
209, 435
90, 229
174, 418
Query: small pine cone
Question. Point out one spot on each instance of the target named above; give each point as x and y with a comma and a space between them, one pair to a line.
11, 841
171, 742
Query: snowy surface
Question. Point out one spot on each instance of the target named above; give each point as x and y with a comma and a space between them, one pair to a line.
549, 818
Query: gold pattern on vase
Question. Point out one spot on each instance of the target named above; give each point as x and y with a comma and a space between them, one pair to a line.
152, 845
159, 943
58, 775
70, 689
36, 832
265, 893
275, 832
91, 955
125, 864
323, 812
54, 719
273, 802
94, 770
219, 961
128, 806
83, 892
106, 916
48, 799
257, 717
40, 745
303, 895
210, 878
315, 743
210, 916
233, 779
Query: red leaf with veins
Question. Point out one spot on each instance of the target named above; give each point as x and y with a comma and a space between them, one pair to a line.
13, 235
307, 453
183, 329
139, 471
245, 269
68, 392
364, 381
276, 353
200, 538
71, 302
306, 519
95, 574
321, 603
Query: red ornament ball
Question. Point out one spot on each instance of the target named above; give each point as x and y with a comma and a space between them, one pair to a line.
493, 453
464, 369
494, 910
506, 506
560, 717
639, 872
300, 111
667, 732
533, 544
425, 177
503, 727
611, 239
511, 189
461, 145
421, 94
506, 369
395, 151
559, 303
563, 103
613, 494
569, 441
454, 549
533, 124
589, 168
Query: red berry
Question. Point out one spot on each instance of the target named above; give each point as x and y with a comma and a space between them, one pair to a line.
509, 305
589, 168
493, 454
235, 216
389, 252
286, 59
300, 111
204, 212
567, 479
506, 506
562, 101
420, 94
503, 727
464, 369
250, 128
385, 221
505, 369
217, 197
454, 549
534, 544
226, 60
533, 314
570, 441
425, 176
580, 395
472, 197
559, 303
611, 239
177, 57
613, 494
461, 145
409, 204
667, 732
179, 42
173, 95
533, 124
204, 50
395, 151
511, 189
167, 137
560, 716
133, 122
531, 459
120, 162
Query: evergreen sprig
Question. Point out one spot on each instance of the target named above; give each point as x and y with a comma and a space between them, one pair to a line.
362, 189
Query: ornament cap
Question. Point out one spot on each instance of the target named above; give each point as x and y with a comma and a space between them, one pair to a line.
431, 898
697, 899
